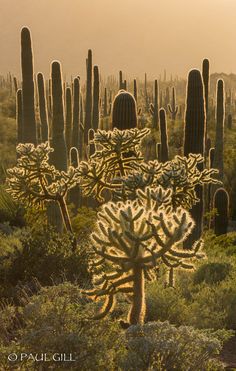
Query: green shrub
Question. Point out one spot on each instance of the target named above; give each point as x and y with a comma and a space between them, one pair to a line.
43, 254
57, 321
161, 346
212, 273
165, 304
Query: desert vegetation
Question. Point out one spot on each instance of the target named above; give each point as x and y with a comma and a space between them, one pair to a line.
117, 219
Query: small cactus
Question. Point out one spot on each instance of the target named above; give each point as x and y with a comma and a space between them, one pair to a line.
164, 151
173, 109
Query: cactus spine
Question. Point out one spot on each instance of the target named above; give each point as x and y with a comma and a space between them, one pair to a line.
88, 102
124, 111
76, 113
194, 142
96, 97
164, 150
42, 108
221, 204
28, 104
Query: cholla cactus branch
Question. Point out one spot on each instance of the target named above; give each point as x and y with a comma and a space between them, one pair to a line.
132, 238
34, 181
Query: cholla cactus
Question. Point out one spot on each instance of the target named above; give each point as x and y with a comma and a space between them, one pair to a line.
181, 175
133, 237
117, 153
117, 165
35, 182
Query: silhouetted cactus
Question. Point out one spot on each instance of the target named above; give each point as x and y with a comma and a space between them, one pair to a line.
68, 126
88, 101
121, 80
205, 77
154, 109
167, 97
194, 141
76, 113
19, 116
135, 91
219, 142
164, 151
221, 204
28, 104
173, 109
211, 157
124, 111
42, 108
96, 97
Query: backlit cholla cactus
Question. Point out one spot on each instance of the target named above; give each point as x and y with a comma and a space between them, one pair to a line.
180, 175
117, 153
132, 238
34, 181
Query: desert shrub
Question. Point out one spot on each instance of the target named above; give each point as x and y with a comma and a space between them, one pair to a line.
83, 222
41, 253
214, 306
165, 303
57, 321
211, 273
220, 245
161, 346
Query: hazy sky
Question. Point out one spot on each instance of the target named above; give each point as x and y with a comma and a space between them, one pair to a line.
132, 35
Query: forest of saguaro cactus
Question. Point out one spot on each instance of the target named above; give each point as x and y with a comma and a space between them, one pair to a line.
117, 218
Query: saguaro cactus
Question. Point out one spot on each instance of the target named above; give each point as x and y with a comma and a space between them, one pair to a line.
28, 104
205, 77
59, 156
88, 101
164, 150
229, 121
76, 113
219, 142
173, 109
96, 97
221, 204
154, 108
135, 91
194, 141
68, 128
124, 111
42, 107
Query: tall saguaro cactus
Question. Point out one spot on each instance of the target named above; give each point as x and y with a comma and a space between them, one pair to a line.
76, 113
42, 107
154, 108
96, 97
205, 77
194, 141
88, 101
135, 91
220, 117
68, 128
28, 104
164, 150
59, 156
